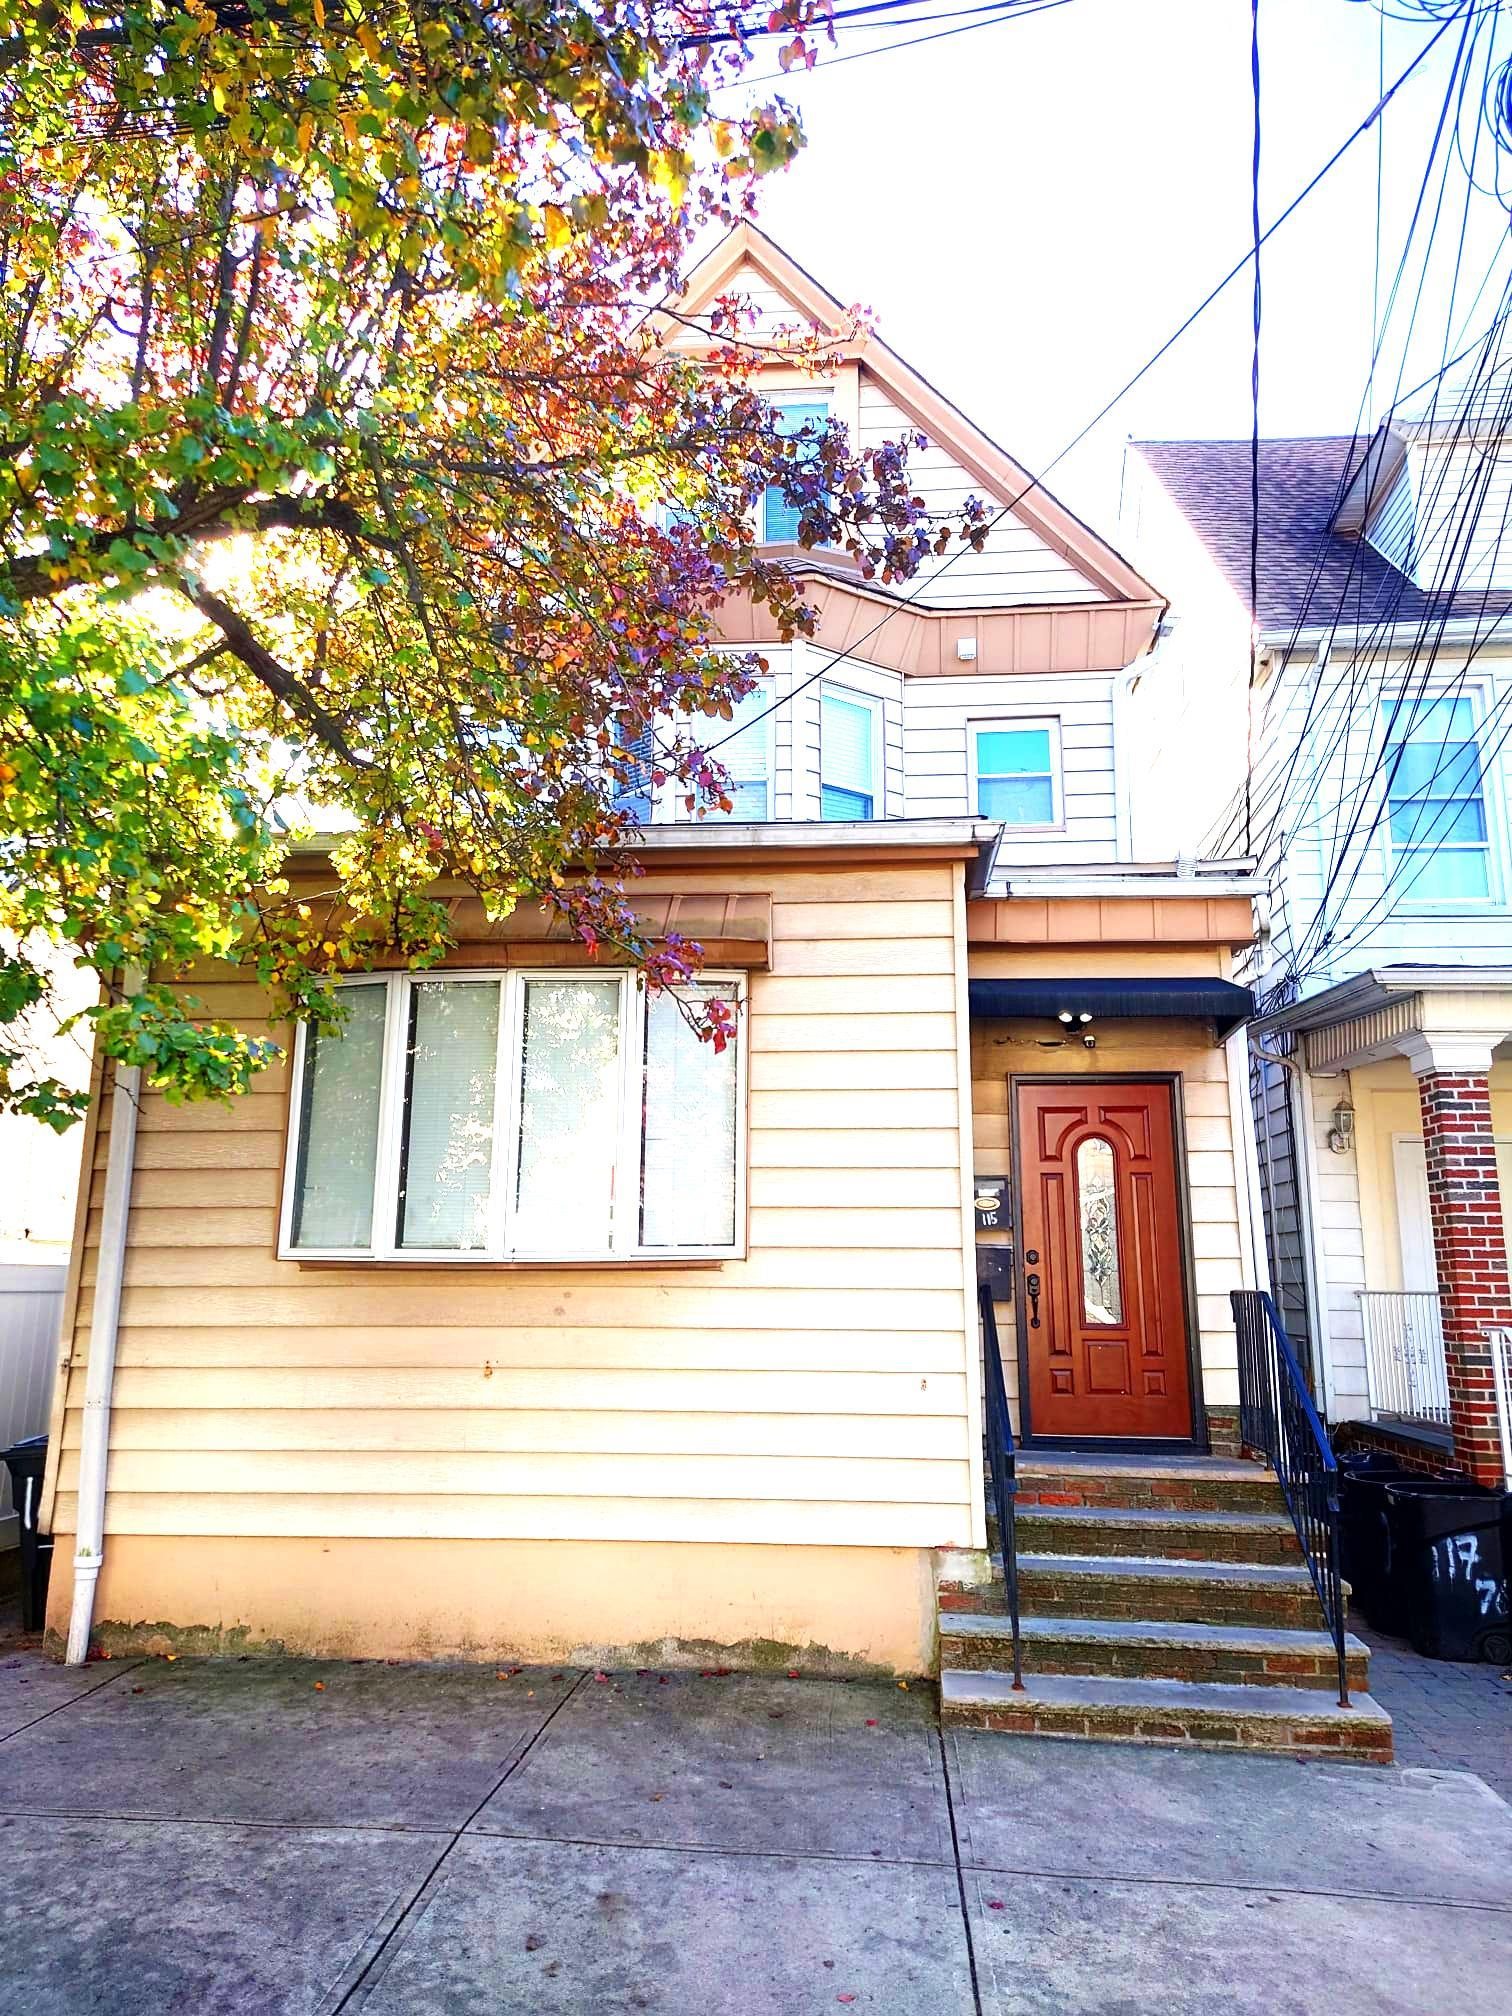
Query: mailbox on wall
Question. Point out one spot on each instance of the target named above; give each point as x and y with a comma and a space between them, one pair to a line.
994, 1206
995, 1271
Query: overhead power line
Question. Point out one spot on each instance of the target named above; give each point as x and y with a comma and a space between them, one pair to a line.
1036, 482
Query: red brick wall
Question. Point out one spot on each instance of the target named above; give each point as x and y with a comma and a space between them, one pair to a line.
1470, 1248
1348, 1436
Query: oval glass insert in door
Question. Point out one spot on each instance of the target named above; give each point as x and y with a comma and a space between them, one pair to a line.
1097, 1223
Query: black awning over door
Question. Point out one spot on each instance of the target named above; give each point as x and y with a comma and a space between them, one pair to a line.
1219, 1001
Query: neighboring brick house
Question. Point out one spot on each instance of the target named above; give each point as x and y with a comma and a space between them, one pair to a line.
1381, 1066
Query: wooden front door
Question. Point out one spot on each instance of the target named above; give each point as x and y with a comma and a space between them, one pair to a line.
1101, 1269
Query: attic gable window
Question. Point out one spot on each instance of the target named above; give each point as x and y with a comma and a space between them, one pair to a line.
518, 1115
778, 518
1436, 803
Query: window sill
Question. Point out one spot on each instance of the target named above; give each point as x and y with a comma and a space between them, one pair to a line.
429, 1263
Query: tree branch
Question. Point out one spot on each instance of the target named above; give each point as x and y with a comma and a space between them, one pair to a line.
244, 644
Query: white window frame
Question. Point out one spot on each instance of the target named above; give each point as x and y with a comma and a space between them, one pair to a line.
711, 729
834, 690
793, 395
1413, 903
1007, 723
624, 1241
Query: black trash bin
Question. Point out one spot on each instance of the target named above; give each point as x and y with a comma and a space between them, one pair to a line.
1447, 1565
1363, 1543
26, 1461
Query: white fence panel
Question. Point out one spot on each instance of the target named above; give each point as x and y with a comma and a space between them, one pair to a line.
31, 1307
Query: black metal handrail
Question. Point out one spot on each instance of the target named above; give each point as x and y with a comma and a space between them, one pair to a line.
1000, 1462
1278, 1420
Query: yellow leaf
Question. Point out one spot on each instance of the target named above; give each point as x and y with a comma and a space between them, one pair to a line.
319, 14
369, 41
306, 133
558, 227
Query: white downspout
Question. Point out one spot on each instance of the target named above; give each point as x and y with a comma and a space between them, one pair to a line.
99, 1374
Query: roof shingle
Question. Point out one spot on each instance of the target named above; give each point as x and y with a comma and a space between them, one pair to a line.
1310, 578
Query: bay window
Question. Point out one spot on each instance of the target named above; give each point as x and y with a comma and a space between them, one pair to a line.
495, 1116
850, 755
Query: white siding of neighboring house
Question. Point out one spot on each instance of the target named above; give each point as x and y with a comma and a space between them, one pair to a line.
1183, 724
1335, 1189
1015, 567
1452, 481
1391, 525
938, 719
1340, 745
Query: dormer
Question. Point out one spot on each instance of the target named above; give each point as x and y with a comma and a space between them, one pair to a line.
1431, 491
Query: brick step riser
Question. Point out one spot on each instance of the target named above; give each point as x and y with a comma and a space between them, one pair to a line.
1168, 1603
1148, 1662
1368, 1744
1154, 1494
1276, 1550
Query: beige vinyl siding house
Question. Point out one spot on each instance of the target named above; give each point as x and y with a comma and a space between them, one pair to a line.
757, 1434
514, 1446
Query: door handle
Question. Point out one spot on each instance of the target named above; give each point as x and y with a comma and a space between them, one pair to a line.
1032, 1284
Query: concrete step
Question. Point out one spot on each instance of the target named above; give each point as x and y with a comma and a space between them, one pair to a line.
1231, 1655
1157, 1531
1293, 1721
1183, 1483
1145, 1589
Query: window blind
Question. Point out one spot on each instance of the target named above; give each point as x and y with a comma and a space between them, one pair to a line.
846, 735
688, 1157
779, 519
747, 755
446, 1175
338, 1127
569, 1116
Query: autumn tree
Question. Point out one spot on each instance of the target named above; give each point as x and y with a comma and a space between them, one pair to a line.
339, 469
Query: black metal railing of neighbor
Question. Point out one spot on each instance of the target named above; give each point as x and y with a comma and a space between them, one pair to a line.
1000, 1463
1278, 1420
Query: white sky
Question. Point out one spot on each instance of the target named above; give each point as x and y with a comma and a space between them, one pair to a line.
1030, 210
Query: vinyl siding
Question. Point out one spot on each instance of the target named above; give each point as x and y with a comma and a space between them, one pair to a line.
1324, 816
1015, 566
1391, 526
938, 719
819, 1392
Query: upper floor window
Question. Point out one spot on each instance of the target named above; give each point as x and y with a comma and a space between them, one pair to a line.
744, 750
513, 1115
850, 756
779, 518
1436, 803
1016, 767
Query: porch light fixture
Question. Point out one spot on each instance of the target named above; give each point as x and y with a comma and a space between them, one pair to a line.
1341, 1134
1066, 1016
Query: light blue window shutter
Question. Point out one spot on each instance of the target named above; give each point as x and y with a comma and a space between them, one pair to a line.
779, 519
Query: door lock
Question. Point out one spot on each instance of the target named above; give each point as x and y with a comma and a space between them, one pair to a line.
1032, 1284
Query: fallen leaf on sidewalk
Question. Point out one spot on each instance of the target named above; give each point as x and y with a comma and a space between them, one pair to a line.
996, 1904
320, 1686
871, 1721
845, 1998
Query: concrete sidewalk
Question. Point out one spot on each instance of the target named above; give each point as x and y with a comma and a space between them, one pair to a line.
268, 1837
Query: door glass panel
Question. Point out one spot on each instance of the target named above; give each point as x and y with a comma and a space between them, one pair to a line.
1097, 1217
